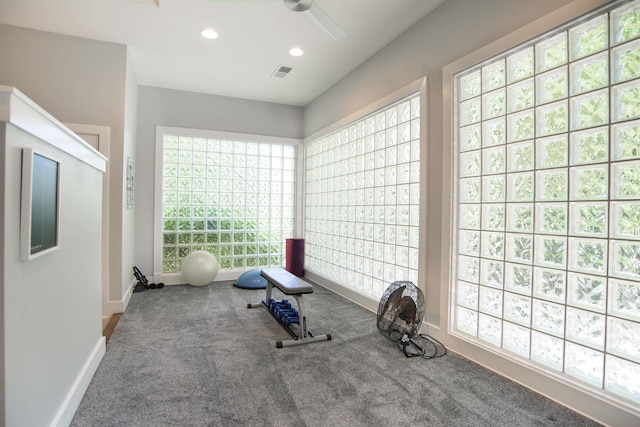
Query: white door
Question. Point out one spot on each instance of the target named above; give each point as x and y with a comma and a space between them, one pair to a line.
98, 137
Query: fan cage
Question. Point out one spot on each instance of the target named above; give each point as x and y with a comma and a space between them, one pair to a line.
401, 310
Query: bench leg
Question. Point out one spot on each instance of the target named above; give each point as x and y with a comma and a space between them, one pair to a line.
267, 297
302, 315
309, 340
304, 336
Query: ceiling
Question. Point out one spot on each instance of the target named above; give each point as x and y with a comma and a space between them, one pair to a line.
166, 49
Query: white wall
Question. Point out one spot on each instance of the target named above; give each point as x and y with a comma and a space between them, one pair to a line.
128, 213
167, 107
51, 311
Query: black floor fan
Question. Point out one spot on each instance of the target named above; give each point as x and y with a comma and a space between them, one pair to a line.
400, 313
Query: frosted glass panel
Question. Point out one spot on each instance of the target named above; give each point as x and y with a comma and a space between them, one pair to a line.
586, 327
622, 338
591, 146
547, 350
588, 255
490, 329
517, 309
470, 138
210, 201
518, 278
625, 61
493, 76
494, 104
552, 86
584, 363
470, 86
588, 38
551, 218
551, 251
625, 220
490, 301
551, 52
519, 248
467, 321
516, 339
520, 217
626, 141
590, 110
624, 300
469, 269
552, 152
520, 126
520, 96
468, 295
493, 132
548, 317
491, 273
552, 184
552, 118
587, 292
520, 156
624, 22
520, 65
547, 154
363, 198
588, 219
626, 180
589, 74
620, 378
626, 101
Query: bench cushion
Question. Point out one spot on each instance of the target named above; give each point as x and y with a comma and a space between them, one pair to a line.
288, 283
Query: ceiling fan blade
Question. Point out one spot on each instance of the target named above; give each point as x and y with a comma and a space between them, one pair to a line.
325, 21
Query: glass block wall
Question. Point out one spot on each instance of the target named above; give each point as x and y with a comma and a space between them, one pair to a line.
547, 178
362, 200
233, 198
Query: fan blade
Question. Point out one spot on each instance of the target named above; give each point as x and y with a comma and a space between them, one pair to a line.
325, 21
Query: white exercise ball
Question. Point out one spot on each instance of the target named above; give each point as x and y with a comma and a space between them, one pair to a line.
199, 268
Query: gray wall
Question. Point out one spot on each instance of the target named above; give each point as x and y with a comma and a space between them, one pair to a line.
166, 107
78, 81
452, 30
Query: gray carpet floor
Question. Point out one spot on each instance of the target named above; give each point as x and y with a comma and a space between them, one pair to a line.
196, 356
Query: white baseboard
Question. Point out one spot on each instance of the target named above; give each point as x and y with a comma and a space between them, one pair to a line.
127, 297
176, 278
605, 409
105, 320
120, 306
74, 397
353, 295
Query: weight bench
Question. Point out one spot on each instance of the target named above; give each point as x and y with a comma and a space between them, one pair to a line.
283, 312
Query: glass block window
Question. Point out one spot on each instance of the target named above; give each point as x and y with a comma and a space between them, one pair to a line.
232, 197
363, 200
547, 200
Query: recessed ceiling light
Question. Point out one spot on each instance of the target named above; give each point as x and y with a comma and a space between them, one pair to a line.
296, 51
208, 33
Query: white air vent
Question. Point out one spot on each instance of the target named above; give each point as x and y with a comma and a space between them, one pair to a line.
282, 71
